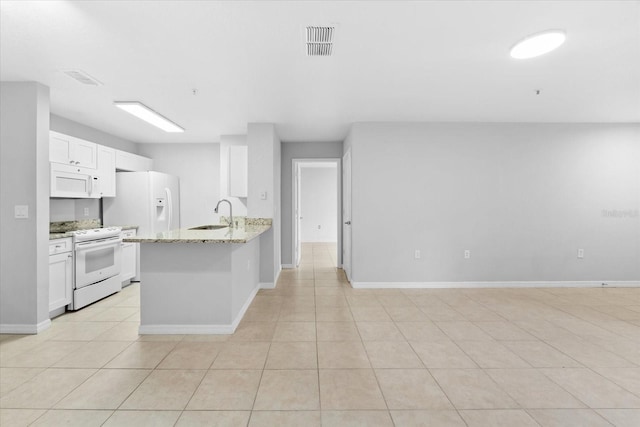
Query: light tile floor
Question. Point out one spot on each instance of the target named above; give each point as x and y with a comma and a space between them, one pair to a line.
315, 352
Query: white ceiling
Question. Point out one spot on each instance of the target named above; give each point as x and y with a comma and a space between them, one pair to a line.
393, 61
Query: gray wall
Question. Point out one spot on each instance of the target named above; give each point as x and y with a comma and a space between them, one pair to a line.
299, 150
69, 127
523, 198
264, 152
198, 167
73, 209
318, 204
24, 180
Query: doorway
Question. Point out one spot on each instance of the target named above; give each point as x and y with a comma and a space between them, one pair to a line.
316, 208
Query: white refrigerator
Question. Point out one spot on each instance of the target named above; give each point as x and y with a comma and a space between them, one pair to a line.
149, 200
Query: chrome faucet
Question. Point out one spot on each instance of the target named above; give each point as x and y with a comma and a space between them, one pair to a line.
230, 211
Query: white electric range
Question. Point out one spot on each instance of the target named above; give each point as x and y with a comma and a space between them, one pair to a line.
97, 265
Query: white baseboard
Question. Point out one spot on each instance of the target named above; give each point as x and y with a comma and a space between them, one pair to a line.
25, 329
514, 284
200, 329
271, 285
288, 266
57, 312
244, 309
42, 326
185, 329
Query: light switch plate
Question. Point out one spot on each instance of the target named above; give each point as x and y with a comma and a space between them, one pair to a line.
21, 211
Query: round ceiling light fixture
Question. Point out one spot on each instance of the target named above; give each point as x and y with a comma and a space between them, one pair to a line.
538, 44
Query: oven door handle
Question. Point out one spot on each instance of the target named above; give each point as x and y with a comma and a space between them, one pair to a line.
98, 244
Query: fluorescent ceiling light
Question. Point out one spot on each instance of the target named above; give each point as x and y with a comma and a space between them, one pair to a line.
538, 44
145, 113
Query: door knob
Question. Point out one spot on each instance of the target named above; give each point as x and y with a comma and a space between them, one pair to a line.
347, 222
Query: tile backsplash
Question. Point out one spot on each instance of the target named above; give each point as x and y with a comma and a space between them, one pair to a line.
64, 226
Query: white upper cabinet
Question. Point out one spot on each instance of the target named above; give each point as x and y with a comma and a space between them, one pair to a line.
130, 162
238, 170
85, 170
107, 171
68, 150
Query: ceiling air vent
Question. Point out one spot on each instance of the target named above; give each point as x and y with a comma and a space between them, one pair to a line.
320, 40
82, 77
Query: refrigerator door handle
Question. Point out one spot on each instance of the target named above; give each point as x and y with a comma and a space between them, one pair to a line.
170, 208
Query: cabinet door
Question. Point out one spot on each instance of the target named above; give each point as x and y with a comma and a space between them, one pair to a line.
84, 153
130, 162
129, 257
107, 171
59, 148
128, 261
69, 150
60, 280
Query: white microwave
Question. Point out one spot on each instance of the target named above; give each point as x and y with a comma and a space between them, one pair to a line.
74, 182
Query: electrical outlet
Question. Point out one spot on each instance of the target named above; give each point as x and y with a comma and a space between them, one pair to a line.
86, 211
467, 254
417, 254
21, 211
580, 253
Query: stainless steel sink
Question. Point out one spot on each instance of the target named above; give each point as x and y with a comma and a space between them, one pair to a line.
209, 227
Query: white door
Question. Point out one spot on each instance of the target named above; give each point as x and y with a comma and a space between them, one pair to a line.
346, 214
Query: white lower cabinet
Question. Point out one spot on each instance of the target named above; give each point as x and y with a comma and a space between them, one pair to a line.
60, 274
129, 257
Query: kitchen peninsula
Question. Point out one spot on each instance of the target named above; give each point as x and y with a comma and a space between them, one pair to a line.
199, 281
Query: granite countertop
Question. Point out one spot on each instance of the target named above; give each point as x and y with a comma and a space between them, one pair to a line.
62, 234
54, 236
251, 229
125, 227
